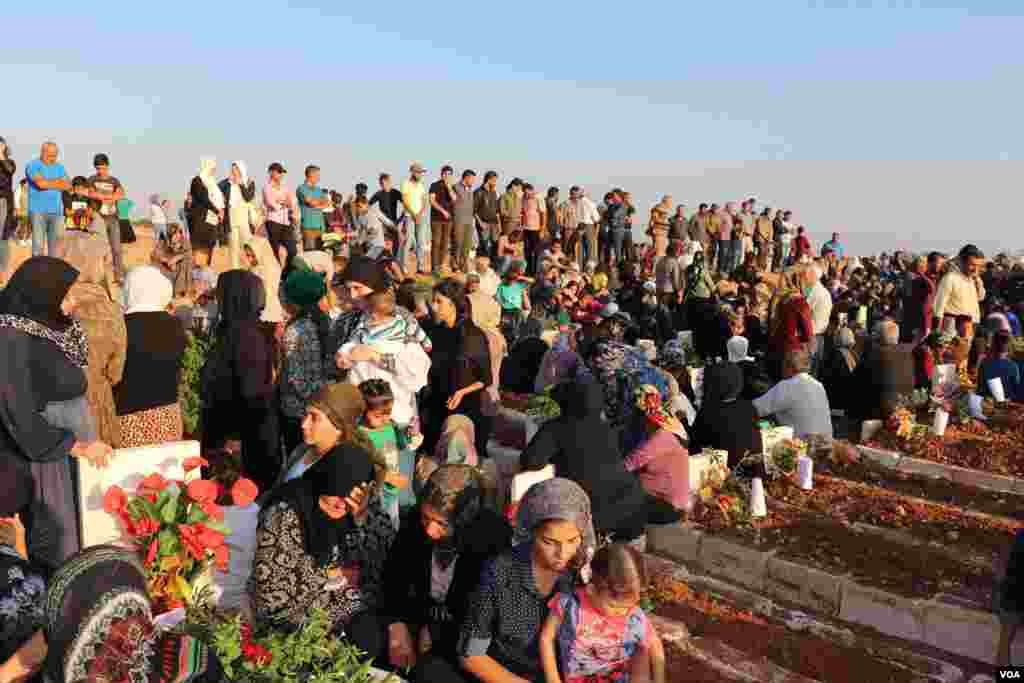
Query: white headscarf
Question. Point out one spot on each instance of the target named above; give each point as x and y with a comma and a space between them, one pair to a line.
242, 171
146, 290
207, 167
737, 348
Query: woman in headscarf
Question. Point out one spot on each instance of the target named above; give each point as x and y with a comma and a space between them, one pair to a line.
725, 421
498, 638
661, 460
238, 191
486, 314
789, 324
701, 310
457, 445
435, 564
173, 256
302, 348
99, 626
43, 356
998, 365
160, 212
104, 326
460, 369
238, 378
147, 396
838, 370
585, 448
561, 362
22, 586
259, 259
331, 420
206, 212
321, 544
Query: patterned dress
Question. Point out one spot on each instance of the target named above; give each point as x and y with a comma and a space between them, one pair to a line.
287, 583
22, 601
595, 647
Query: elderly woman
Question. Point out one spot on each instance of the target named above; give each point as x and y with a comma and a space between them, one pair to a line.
998, 365
661, 460
838, 370
260, 260
173, 256
303, 345
499, 634
43, 356
321, 544
436, 562
103, 322
790, 325
147, 395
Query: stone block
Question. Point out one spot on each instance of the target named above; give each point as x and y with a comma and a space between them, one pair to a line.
736, 563
983, 480
740, 666
803, 586
925, 468
882, 611
675, 541
888, 459
966, 632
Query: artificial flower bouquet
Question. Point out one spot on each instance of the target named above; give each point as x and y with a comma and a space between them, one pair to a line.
178, 528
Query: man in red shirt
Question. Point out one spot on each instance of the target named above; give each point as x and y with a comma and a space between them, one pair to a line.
801, 245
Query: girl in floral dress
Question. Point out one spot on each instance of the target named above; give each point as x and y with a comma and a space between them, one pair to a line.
599, 633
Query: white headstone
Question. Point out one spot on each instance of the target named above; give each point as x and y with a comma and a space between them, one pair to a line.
128, 467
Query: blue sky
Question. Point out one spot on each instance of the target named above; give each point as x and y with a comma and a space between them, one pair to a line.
849, 113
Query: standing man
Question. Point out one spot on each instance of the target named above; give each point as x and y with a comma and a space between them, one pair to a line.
551, 209
312, 201
834, 246
820, 301
617, 226
442, 203
388, 198
764, 240
802, 245
47, 179
590, 220
488, 218
414, 201
108, 190
282, 214
511, 207
569, 217
961, 291
465, 220
533, 228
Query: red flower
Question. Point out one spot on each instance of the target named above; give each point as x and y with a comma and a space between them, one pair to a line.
208, 537
126, 521
257, 654
202, 491
193, 463
221, 555
154, 546
246, 633
154, 483
511, 511
189, 534
244, 492
147, 526
115, 500
213, 511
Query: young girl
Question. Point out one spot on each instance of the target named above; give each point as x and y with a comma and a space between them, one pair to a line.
599, 634
513, 297
396, 447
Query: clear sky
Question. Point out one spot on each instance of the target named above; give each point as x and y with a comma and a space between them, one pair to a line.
891, 122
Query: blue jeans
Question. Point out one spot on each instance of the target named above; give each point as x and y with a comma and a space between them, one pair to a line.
48, 227
417, 237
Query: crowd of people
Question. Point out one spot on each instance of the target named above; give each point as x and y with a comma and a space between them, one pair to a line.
363, 397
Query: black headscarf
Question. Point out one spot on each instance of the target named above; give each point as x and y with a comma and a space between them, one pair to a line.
458, 491
241, 297
335, 474
367, 272
722, 382
37, 290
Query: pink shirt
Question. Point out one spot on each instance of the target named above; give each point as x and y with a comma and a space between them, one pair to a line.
664, 468
275, 213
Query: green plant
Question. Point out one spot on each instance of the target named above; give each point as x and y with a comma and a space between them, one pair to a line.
543, 406
189, 395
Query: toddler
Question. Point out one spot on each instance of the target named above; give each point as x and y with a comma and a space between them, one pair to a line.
396, 448
599, 633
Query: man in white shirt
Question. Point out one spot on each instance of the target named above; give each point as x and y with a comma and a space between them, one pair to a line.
820, 301
489, 280
589, 221
798, 401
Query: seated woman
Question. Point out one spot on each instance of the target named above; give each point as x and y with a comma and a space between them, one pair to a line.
321, 544
662, 460
147, 395
998, 365
435, 564
173, 256
22, 588
725, 421
838, 368
498, 637
585, 449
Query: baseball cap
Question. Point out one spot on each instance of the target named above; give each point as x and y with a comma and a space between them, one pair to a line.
276, 167
101, 160
416, 167
447, 169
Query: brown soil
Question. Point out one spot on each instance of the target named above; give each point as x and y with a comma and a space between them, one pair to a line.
801, 653
680, 666
938, 490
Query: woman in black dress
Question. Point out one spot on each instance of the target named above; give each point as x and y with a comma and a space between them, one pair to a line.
206, 212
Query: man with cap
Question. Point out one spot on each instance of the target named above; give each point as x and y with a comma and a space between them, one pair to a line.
282, 214
414, 201
108, 190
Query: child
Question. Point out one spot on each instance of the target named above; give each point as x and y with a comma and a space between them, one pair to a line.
599, 634
514, 301
396, 447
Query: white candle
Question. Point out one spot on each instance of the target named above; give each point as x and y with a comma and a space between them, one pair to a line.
995, 387
941, 420
805, 472
758, 506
